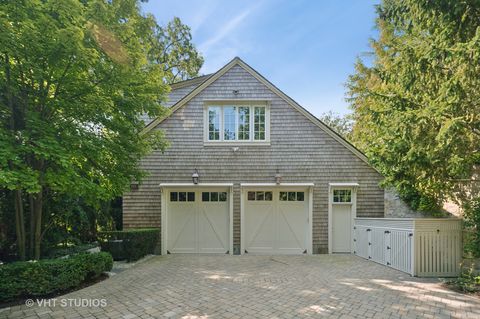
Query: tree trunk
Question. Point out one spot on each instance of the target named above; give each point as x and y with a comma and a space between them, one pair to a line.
32, 229
20, 224
38, 210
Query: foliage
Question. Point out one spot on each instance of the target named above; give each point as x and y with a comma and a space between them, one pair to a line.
137, 243
468, 282
69, 250
74, 78
28, 279
471, 215
342, 124
174, 50
416, 105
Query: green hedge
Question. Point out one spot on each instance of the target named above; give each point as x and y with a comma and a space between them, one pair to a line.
36, 278
130, 244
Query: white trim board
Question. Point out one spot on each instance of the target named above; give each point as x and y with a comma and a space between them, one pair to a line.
196, 185
277, 185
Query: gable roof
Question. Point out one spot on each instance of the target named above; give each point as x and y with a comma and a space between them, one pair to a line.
193, 81
209, 79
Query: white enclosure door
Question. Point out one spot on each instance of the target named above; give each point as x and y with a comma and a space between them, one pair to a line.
341, 228
197, 225
275, 226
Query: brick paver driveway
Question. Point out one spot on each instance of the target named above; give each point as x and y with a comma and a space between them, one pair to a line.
260, 287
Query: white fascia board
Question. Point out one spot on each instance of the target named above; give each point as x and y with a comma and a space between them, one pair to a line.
196, 185
343, 184
277, 185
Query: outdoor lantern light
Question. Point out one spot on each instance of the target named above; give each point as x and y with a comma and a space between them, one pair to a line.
195, 177
278, 177
134, 186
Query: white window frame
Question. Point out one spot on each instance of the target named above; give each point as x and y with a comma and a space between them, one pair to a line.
250, 103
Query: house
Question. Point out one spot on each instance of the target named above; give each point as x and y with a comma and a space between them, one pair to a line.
250, 171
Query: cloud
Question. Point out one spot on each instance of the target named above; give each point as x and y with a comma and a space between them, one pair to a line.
226, 29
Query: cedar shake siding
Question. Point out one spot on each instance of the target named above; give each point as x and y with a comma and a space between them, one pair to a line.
299, 149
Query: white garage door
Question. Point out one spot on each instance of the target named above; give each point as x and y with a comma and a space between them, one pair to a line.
197, 221
276, 221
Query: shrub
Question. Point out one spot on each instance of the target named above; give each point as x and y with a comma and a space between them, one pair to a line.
36, 278
71, 250
468, 281
136, 243
472, 226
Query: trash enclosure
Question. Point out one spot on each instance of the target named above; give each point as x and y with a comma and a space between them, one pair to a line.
423, 247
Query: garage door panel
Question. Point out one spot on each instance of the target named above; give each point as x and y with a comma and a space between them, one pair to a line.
181, 228
261, 226
278, 225
197, 221
213, 229
291, 228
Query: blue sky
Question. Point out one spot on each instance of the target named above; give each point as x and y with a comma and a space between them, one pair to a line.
306, 48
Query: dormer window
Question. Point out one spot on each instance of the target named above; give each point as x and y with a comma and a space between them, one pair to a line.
237, 122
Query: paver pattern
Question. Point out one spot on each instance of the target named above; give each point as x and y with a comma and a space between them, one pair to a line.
208, 286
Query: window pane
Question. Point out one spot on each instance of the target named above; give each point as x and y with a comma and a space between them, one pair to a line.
222, 196
260, 196
243, 123
251, 195
205, 196
291, 196
283, 196
347, 196
214, 123
259, 123
182, 196
300, 196
342, 196
191, 196
268, 196
173, 196
214, 196
229, 123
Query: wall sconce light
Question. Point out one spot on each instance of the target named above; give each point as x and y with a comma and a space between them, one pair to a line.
134, 186
278, 177
195, 177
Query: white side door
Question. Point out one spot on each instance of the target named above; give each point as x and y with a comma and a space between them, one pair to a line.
342, 214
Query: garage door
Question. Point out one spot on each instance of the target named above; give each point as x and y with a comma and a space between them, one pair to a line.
276, 221
197, 221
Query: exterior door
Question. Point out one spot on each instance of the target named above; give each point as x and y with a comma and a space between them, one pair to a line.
275, 221
342, 215
197, 221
